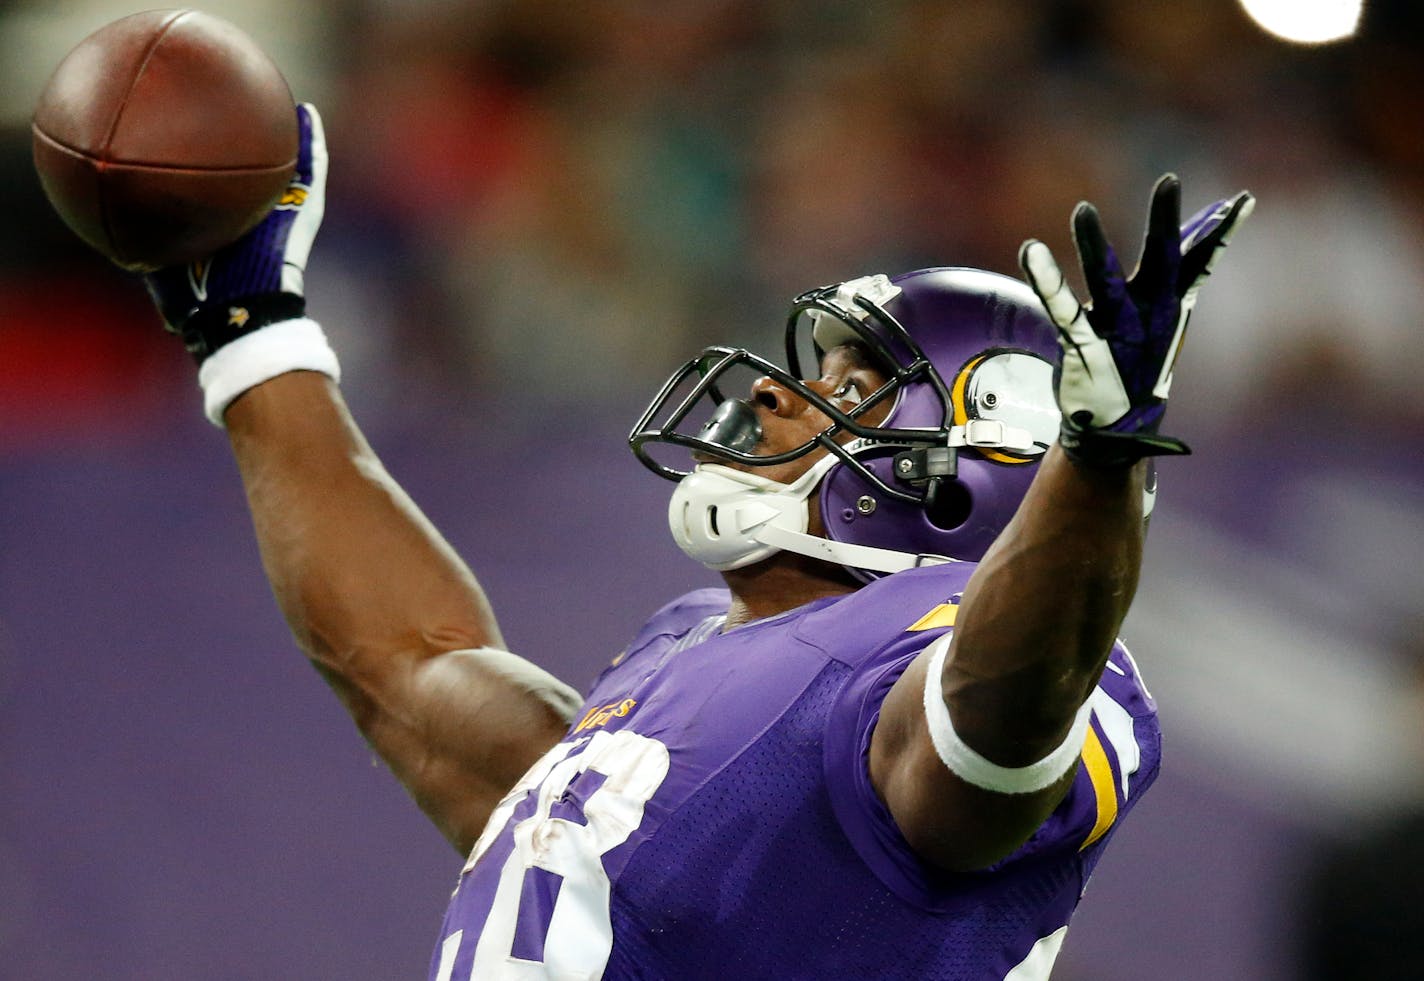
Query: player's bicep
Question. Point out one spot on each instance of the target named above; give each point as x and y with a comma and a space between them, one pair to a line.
460, 728
948, 820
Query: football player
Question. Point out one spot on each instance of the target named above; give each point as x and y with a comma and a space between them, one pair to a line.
894, 744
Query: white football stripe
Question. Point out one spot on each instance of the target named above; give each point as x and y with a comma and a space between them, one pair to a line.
1039, 962
1117, 724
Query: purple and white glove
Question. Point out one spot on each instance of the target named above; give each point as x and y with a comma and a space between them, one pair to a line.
242, 311
1120, 350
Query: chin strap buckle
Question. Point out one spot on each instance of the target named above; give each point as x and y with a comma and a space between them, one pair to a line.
994, 434
918, 465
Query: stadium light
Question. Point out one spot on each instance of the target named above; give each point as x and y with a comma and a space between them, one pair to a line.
1306, 21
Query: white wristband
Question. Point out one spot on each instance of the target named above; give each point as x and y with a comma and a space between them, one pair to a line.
289, 345
973, 768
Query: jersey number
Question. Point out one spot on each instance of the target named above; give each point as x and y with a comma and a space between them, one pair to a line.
556, 852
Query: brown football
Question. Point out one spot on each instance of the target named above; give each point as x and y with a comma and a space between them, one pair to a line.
164, 136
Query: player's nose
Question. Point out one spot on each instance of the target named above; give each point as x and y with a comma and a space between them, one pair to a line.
779, 398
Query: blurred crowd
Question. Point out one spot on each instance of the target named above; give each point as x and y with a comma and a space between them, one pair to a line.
537, 207
646, 176
518, 186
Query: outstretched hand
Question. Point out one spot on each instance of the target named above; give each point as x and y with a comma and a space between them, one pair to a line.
1119, 352
259, 279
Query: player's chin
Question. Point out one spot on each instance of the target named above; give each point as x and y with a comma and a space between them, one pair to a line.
704, 458
770, 471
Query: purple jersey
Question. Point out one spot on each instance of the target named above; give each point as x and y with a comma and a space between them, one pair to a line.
710, 815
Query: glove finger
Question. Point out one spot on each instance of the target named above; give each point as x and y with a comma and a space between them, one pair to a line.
1075, 334
1196, 227
307, 122
1161, 252
306, 196
174, 291
1107, 284
1206, 233
1048, 281
1089, 239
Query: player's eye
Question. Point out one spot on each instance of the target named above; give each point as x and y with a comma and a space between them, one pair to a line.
848, 393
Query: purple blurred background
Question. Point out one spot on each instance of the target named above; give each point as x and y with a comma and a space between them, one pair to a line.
535, 214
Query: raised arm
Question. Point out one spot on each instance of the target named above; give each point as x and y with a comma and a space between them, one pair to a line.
385, 610
978, 744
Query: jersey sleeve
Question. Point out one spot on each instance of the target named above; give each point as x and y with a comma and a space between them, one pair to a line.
1120, 758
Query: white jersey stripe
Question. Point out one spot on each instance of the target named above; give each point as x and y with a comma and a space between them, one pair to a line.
1117, 725
449, 947
1039, 962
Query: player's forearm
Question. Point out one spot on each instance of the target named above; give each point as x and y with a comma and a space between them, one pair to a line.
1040, 615
358, 571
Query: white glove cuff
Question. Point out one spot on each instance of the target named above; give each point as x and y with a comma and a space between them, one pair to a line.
973, 768
289, 345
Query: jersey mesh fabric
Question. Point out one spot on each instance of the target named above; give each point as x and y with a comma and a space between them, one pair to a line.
761, 836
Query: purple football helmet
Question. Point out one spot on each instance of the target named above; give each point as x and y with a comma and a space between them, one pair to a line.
969, 356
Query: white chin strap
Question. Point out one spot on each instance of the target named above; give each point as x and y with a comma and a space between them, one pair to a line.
727, 519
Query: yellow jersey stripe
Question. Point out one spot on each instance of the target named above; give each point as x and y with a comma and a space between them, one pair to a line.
941, 616
1095, 758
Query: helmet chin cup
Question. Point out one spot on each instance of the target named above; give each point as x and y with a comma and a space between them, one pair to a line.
718, 515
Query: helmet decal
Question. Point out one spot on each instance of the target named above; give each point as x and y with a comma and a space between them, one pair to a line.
1007, 386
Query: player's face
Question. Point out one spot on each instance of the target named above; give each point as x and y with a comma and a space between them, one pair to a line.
788, 420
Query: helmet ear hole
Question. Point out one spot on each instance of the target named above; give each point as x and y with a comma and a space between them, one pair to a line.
948, 503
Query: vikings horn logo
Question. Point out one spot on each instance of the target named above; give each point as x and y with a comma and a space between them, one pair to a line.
293, 197
1012, 387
